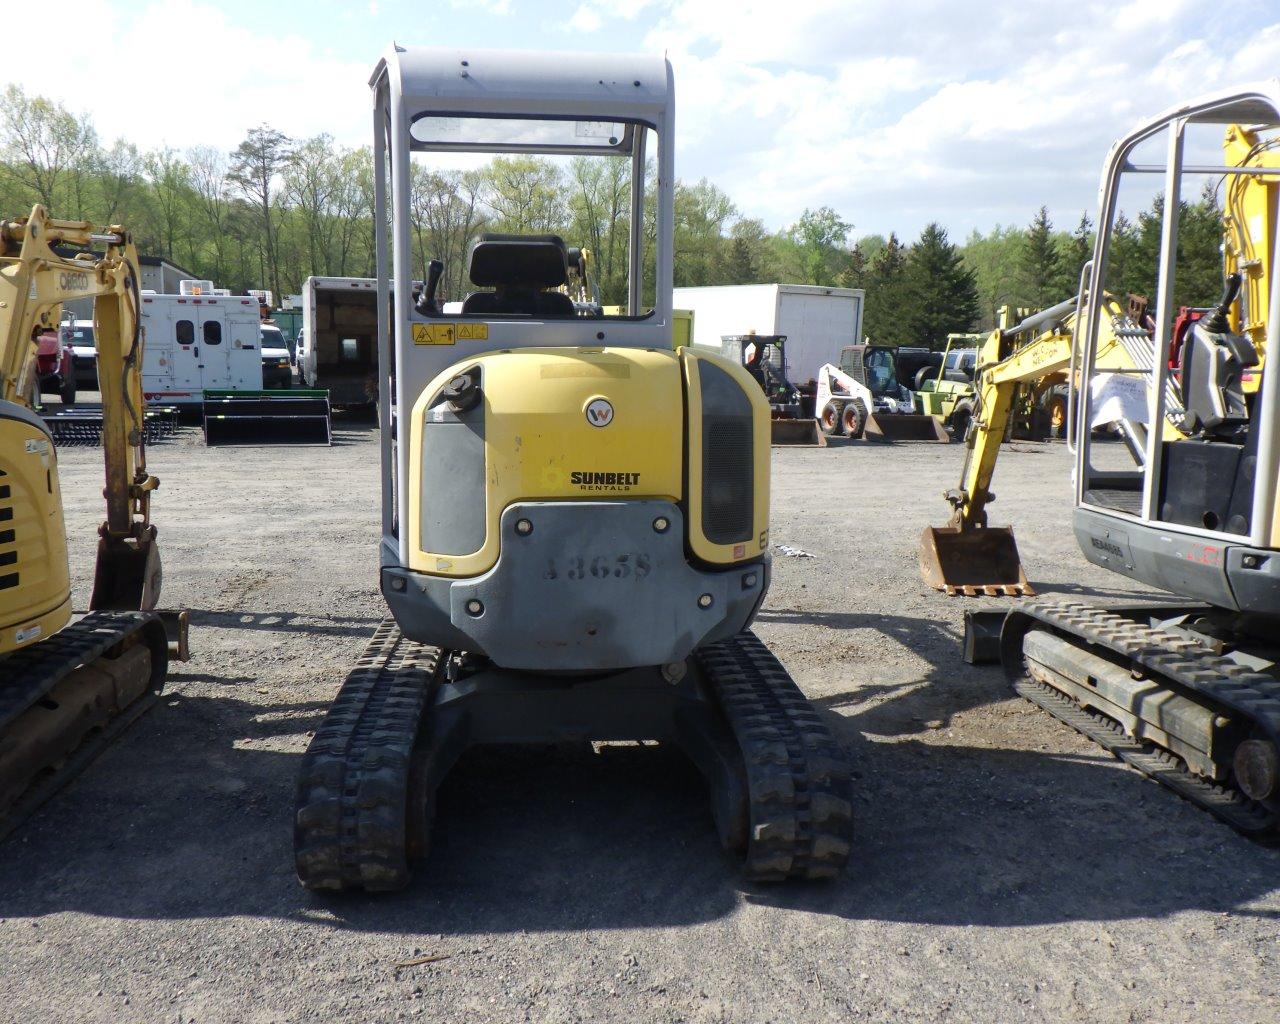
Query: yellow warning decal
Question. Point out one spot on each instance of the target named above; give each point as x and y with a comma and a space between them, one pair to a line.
447, 334
433, 334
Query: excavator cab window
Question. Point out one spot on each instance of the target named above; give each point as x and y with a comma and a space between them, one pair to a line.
1170, 396
519, 268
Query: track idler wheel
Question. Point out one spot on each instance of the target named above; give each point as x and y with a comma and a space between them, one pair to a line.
1257, 770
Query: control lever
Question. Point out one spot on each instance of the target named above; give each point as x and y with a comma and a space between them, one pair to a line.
1216, 322
427, 304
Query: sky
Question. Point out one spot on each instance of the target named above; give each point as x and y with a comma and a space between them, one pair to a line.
893, 112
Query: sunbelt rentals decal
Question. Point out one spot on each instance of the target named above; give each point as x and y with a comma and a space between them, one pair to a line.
593, 481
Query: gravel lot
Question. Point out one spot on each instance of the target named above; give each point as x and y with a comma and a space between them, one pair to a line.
1005, 870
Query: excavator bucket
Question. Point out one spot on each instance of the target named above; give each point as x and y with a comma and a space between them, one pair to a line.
796, 433
884, 426
127, 575
973, 563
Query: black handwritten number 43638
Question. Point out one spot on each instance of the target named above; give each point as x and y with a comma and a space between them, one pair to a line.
600, 567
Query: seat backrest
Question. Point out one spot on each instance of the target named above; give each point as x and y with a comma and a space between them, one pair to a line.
520, 269
530, 261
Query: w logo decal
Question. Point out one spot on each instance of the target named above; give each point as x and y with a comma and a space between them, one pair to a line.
599, 412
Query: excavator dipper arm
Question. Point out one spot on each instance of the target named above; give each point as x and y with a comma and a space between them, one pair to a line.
127, 574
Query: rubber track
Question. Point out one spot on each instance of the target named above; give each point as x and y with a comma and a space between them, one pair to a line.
350, 828
30, 673
801, 793
1194, 669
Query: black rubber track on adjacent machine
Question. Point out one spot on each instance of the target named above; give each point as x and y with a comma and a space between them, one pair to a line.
800, 790
28, 675
350, 828
1193, 670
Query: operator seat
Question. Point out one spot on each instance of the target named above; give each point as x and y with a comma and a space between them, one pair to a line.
521, 269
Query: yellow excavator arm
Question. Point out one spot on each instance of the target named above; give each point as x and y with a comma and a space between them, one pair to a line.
967, 556
44, 263
1251, 223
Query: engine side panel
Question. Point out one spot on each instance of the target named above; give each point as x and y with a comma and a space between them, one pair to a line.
35, 587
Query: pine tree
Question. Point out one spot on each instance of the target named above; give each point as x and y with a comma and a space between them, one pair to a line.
855, 272
888, 296
1073, 253
1123, 259
943, 296
1039, 263
1199, 269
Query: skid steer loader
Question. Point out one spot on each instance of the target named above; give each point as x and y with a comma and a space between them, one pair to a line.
575, 532
892, 415
765, 358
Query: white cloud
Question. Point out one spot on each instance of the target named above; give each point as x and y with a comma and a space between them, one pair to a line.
585, 19
895, 112
498, 7
180, 73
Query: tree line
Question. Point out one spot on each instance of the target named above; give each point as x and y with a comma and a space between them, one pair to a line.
277, 209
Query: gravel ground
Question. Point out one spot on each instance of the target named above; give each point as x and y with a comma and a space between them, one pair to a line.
1004, 868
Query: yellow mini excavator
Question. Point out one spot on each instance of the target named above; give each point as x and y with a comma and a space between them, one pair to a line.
66, 687
575, 516
968, 556
1186, 692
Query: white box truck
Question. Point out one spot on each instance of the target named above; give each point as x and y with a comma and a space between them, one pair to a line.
337, 348
817, 321
200, 342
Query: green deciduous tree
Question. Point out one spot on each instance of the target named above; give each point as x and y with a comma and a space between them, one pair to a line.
256, 165
42, 144
819, 238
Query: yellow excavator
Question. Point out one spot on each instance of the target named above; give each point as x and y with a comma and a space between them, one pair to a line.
1187, 691
575, 533
66, 687
968, 556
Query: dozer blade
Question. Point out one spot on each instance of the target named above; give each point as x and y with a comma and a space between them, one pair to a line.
796, 433
972, 563
905, 427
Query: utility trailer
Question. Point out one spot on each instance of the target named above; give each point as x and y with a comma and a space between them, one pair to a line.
281, 417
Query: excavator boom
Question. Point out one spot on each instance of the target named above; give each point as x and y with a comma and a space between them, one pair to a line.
66, 688
36, 278
967, 556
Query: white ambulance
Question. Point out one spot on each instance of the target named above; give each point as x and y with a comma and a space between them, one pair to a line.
197, 341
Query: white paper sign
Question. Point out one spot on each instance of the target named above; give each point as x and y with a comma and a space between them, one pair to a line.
1117, 396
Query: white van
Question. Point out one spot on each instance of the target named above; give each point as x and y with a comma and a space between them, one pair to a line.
194, 344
